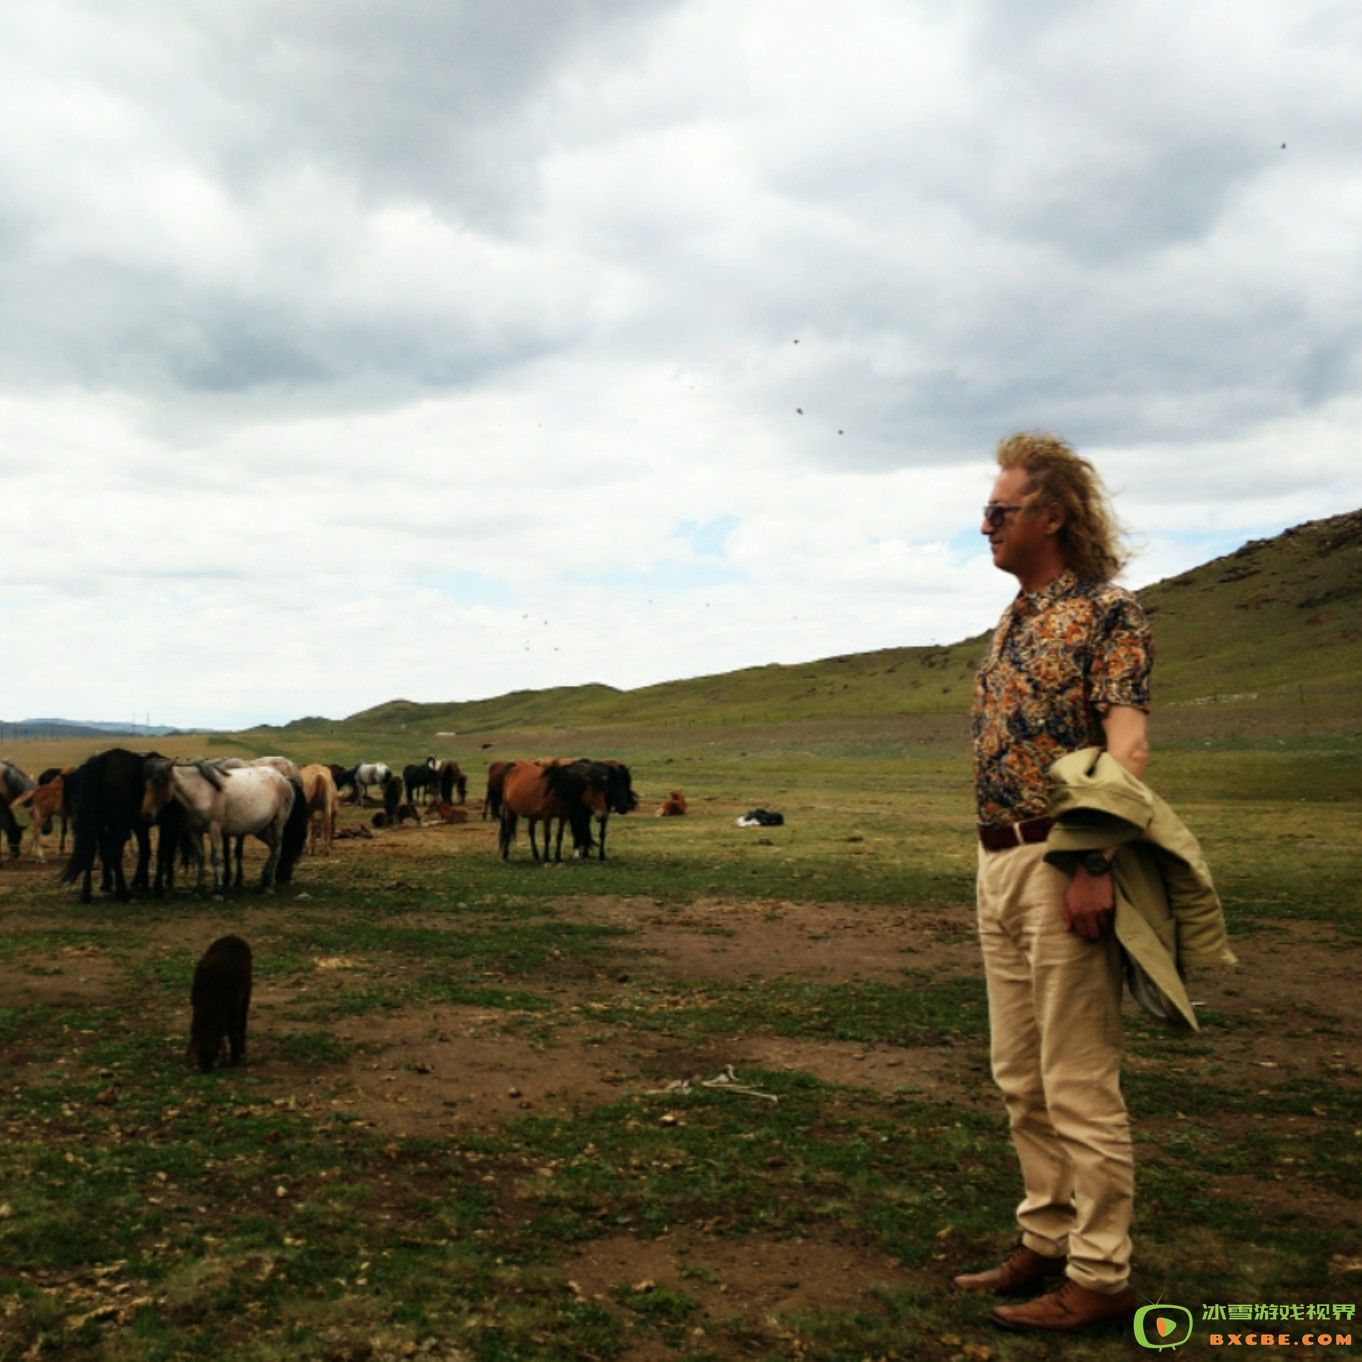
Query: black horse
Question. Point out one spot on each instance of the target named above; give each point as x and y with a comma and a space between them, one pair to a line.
613, 781
423, 777
108, 812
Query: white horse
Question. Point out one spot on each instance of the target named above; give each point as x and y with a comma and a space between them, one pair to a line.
249, 800
370, 773
286, 768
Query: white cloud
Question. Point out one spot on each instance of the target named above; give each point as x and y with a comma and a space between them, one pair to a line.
343, 342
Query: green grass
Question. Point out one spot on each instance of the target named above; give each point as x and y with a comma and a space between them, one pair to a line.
150, 1212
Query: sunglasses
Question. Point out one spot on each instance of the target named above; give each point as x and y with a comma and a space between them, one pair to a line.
996, 512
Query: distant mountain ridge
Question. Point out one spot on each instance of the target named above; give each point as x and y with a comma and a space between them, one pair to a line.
1273, 624
84, 728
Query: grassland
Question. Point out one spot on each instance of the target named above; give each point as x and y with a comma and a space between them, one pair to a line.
473, 1122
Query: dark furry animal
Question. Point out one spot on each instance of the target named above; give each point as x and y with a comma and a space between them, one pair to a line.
392, 797
109, 790
407, 812
221, 997
424, 777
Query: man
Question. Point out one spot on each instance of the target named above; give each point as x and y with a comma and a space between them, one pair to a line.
1068, 668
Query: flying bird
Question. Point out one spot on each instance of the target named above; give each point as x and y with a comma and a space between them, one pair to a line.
800, 410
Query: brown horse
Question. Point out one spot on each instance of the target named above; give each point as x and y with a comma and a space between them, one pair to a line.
451, 779
319, 790
673, 806
544, 790
45, 801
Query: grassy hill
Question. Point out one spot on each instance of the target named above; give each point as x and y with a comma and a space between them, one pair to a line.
1264, 635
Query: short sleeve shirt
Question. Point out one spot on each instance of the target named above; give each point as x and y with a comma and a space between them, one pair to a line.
1060, 659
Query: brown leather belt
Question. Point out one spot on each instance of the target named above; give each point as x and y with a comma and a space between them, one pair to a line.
1000, 836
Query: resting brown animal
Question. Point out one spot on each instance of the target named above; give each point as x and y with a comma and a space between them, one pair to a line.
448, 813
673, 806
220, 996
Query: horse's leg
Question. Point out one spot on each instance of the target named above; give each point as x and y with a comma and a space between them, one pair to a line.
35, 829
558, 847
600, 824
240, 874
217, 848
273, 837
61, 842
140, 878
507, 831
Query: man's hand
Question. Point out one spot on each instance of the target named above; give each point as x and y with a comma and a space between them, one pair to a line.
1088, 904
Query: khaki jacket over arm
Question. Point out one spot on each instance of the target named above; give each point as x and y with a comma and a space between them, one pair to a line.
1168, 915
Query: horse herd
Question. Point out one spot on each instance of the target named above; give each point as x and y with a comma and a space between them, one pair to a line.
120, 795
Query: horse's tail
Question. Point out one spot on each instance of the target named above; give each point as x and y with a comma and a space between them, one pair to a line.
294, 837
85, 825
507, 834
462, 783
446, 783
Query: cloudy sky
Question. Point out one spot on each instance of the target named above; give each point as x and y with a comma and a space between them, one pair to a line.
375, 348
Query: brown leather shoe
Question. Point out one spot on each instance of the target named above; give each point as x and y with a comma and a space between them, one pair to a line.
1066, 1310
1025, 1271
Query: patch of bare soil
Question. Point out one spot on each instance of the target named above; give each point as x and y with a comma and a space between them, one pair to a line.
70, 974
748, 940
755, 1279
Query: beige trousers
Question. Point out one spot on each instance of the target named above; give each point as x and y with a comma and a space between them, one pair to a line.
1054, 1013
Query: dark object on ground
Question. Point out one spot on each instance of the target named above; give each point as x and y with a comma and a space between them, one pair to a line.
761, 818
221, 997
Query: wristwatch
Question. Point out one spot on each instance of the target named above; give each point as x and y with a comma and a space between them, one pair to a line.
1096, 863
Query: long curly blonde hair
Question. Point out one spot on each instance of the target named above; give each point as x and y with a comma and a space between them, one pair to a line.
1092, 538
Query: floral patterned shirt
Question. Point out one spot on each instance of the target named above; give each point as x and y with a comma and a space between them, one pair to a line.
1060, 659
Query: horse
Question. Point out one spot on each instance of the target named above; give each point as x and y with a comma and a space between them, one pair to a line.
425, 777
289, 770
671, 807
13, 781
392, 797
9, 825
450, 778
46, 801
253, 800
68, 801
363, 775
617, 795
319, 793
545, 790
109, 811
448, 813
496, 775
